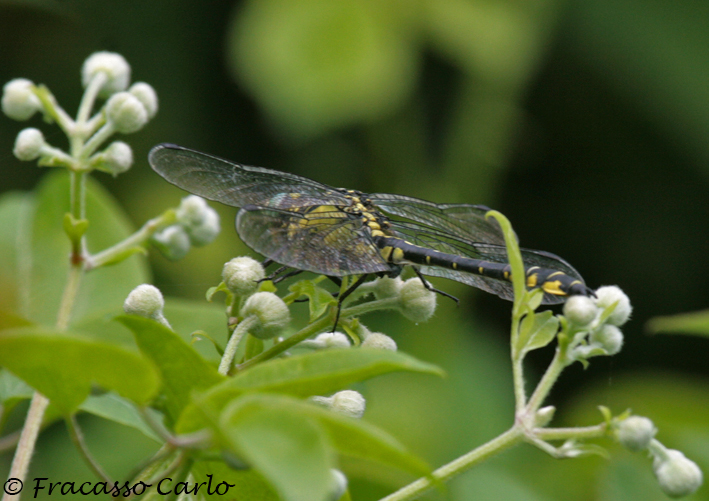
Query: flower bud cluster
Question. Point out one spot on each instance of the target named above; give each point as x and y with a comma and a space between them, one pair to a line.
197, 225
596, 321
127, 110
415, 301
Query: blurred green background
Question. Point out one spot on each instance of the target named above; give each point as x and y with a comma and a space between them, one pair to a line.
584, 121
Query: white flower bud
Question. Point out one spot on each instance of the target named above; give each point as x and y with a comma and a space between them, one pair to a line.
347, 402
29, 144
379, 341
606, 296
608, 337
332, 340
173, 242
386, 287
544, 416
146, 95
242, 275
18, 100
580, 310
200, 221
192, 210
339, 481
635, 433
271, 312
417, 302
677, 475
113, 65
126, 113
207, 231
146, 301
116, 159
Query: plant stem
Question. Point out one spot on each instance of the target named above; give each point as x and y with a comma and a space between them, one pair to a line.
585, 432
548, 379
511, 437
77, 437
279, 348
139, 237
89, 97
28, 438
233, 344
316, 327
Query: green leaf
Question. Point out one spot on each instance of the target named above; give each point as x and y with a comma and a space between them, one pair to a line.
35, 250
75, 228
513, 254
537, 330
12, 387
187, 316
318, 373
348, 436
319, 299
182, 369
286, 446
13, 390
696, 323
63, 367
115, 408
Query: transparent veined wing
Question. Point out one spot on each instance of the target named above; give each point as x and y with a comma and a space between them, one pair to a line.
326, 240
238, 185
463, 220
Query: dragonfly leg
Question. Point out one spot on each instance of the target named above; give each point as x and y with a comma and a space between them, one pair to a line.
344, 295
279, 275
430, 287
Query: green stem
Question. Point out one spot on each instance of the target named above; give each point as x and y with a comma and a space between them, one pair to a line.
584, 432
106, 131
138, 238
28, 439
511, 437
77, 437
52, 108
287, 343
316, 327
89, 97
9, 441
231, 347
548, 379
518, 382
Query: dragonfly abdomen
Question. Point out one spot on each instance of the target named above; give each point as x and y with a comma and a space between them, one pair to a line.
400, 252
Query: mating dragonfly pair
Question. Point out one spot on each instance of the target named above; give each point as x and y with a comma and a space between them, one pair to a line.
309, 226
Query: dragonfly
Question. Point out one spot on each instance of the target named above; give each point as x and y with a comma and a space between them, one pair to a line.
305, 225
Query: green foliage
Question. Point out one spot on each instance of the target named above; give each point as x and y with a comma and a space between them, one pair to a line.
292, 442
182, 370
63, 367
